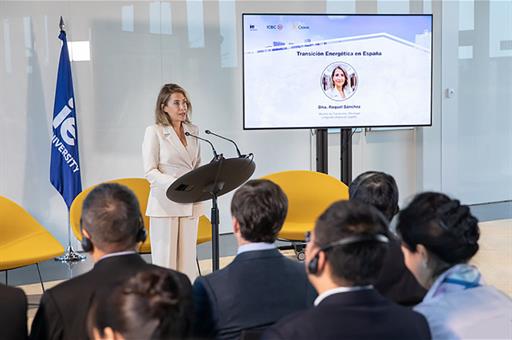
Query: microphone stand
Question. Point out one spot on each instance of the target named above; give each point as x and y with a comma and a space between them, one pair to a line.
216, 156
208, 132
214, 190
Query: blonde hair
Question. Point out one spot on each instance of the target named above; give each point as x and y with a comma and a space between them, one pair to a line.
167, 90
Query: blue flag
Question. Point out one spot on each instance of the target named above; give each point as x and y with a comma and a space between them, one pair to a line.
65, 165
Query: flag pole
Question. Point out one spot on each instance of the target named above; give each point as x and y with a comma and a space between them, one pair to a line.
70, 255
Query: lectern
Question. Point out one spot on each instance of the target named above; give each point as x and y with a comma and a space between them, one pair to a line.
211, 181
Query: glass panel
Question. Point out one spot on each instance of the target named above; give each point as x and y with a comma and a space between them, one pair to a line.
7, 46
393, 6
500, 29
227, 18
340, 6
195, 23
127, 18
476, 123
466, 15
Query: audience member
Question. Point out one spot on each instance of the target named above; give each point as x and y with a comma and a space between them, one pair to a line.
150, 305
112, 228
439, 236
395, 281
13, 313
343, 258
260, 286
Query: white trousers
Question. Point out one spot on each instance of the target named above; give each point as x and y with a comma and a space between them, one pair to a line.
173, 243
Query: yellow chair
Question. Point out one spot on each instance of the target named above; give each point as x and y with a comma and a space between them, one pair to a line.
24, 241
140, 187
204, 234
309, 194
204, 230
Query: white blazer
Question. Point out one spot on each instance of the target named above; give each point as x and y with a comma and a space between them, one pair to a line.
165, 159
334, 94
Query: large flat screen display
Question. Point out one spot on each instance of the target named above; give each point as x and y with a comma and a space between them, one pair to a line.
322, 70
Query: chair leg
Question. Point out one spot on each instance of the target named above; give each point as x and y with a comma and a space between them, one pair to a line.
40, 278
198, 268
299, 248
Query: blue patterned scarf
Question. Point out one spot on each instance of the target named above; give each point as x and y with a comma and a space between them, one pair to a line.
457, 278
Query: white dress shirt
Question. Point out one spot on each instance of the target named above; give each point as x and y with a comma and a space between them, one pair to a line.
119, 253
338, 290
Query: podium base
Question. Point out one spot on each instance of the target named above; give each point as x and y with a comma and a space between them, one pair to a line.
70, 256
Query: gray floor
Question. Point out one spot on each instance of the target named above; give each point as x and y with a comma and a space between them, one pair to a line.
52, 270
492, 211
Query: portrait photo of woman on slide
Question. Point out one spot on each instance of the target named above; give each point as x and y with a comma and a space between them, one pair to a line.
339, 81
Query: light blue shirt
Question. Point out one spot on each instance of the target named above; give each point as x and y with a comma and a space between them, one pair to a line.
255, 246
482, 312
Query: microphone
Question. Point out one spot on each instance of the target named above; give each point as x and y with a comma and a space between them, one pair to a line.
208, 132
215, 155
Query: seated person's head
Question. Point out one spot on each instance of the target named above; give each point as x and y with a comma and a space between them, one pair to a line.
111, 219
150, 305
378, 189
347, 246
437, 233
259, 209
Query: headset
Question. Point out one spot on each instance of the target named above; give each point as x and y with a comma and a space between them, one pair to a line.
313, 264
363, 179
140, 236
366, 177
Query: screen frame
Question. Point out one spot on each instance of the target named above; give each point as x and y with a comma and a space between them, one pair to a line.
337, 126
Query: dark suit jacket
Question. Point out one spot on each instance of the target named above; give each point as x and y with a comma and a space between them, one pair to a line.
395, 281
13, 313
363, 314
255, 290
63, 309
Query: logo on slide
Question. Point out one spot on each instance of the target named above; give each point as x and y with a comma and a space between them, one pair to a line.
278, 27
299, 27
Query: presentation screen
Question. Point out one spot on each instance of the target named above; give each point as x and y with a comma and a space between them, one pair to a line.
323, 70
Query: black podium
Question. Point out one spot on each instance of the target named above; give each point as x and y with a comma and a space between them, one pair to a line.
211, 181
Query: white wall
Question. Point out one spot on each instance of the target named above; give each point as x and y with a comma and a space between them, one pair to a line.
115, 92
170, 42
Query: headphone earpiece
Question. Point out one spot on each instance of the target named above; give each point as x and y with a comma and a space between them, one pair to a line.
313, 265
86, 243
141, 233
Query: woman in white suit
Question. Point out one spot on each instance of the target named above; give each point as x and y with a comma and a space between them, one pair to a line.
167, 155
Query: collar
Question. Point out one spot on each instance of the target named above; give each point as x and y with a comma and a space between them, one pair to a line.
119, 253
255, 246
338, 290
459, 277
168, 129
